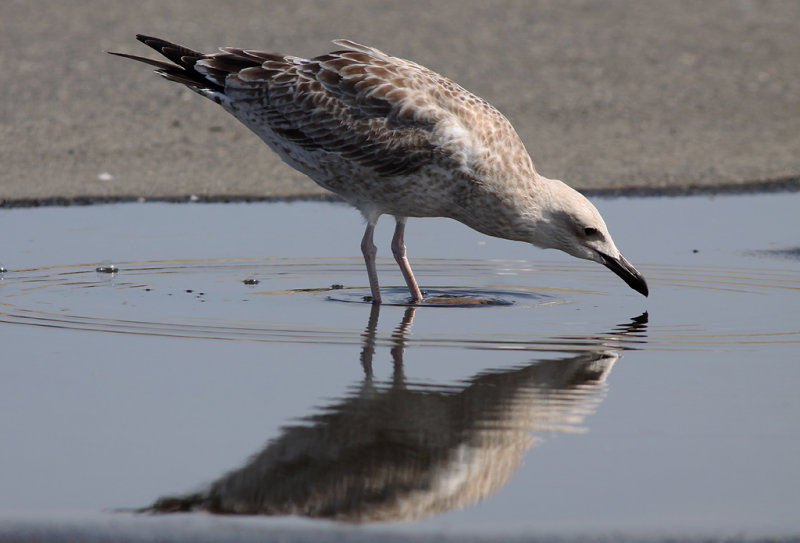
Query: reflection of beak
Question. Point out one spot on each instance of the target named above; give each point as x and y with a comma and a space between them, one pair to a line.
627, 272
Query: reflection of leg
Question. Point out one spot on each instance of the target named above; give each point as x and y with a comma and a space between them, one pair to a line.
399, 252
399, 345
369, 251
368, 348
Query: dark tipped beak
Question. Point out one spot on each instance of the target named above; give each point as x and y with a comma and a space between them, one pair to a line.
627, 272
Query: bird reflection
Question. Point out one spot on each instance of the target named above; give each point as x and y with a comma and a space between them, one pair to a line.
393, 451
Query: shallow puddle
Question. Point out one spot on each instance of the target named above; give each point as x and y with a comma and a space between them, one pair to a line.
156, 350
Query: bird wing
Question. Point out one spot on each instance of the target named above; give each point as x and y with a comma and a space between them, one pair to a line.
358, 103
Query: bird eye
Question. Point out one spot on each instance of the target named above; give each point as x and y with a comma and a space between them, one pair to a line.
589, 231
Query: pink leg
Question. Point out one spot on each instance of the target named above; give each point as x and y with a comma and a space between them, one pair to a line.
369, 251
399, 252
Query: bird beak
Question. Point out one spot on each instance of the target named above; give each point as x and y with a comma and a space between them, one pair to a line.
627, 272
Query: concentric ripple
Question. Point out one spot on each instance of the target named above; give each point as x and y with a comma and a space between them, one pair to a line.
207, 299
282, 300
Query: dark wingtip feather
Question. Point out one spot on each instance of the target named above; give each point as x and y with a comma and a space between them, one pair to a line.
182, 71
157, 63
180, 55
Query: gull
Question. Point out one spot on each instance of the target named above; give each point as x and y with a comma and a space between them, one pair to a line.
392, 137
394, 450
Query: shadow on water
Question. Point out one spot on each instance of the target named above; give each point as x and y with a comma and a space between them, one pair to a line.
396, 450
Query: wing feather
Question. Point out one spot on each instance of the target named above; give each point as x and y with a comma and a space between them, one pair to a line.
358, 103
347, 103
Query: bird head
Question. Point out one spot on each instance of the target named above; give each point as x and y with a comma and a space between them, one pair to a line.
569, 222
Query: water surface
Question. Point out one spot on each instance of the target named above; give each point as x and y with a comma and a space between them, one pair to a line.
232, 350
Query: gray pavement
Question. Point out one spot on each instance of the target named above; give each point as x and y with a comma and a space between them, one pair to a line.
609, 94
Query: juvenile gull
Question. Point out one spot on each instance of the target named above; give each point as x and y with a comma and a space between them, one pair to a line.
392, 137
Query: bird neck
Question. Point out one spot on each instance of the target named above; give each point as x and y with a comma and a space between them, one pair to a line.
509, 209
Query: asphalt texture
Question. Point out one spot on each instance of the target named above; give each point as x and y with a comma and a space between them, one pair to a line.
606, 95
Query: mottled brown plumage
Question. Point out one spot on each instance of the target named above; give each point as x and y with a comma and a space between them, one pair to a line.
393, 137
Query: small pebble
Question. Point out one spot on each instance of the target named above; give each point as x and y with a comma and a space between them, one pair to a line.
106, 268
